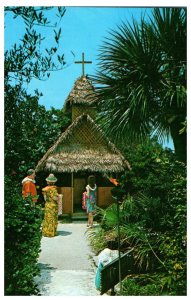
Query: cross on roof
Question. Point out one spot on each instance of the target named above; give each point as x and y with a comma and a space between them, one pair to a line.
83, 62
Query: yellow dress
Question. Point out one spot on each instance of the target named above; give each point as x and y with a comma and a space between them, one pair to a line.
50, 222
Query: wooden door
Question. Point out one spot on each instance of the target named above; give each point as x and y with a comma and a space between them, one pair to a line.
79, 188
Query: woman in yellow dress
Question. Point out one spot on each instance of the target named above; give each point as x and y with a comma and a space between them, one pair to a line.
50, 222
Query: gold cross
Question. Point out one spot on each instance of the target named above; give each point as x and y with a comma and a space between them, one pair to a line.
83, 62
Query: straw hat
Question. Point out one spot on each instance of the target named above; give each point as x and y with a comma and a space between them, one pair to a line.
51, 178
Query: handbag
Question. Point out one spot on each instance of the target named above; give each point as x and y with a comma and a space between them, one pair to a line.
84, 199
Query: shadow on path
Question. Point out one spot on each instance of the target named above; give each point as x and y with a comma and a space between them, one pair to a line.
63, 233
45, 276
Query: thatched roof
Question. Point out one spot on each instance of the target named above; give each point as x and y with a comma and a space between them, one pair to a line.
82, 93
83, 147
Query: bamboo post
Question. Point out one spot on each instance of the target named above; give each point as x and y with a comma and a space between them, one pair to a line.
119, 241
117, 194
72, 177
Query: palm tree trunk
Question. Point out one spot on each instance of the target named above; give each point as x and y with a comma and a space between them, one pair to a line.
179, 140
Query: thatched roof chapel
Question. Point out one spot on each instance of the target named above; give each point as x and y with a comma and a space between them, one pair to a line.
82, 146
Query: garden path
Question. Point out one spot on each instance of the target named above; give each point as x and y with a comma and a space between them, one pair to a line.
66, 263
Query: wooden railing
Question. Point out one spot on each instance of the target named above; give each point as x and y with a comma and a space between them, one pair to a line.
110, 273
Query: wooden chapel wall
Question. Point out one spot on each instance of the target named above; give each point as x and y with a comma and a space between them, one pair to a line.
104, 196
79, 110
67, 203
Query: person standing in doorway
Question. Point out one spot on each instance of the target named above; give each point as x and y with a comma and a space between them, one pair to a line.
50, 222
91, 189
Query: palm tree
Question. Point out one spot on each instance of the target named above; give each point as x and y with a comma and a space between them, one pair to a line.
141, 81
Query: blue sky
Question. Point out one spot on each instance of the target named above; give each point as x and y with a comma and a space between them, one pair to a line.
83, 30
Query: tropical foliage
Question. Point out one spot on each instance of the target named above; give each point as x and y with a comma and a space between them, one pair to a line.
31, 58
152, 221
29, 130
141, 80
22, 241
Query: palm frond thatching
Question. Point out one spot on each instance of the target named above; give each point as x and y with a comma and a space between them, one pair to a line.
82, 93
83, 147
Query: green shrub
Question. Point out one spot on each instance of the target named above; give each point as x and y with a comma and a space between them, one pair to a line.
134, 287
22, 241
152, 219
159, 225
96, 238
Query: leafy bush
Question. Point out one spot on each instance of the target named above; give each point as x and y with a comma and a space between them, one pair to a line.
152, 219
173, 242
22, 241
138, 287
34, 127
97, 240
158, 214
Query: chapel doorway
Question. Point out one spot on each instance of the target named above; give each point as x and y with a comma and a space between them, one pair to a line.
79, 188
